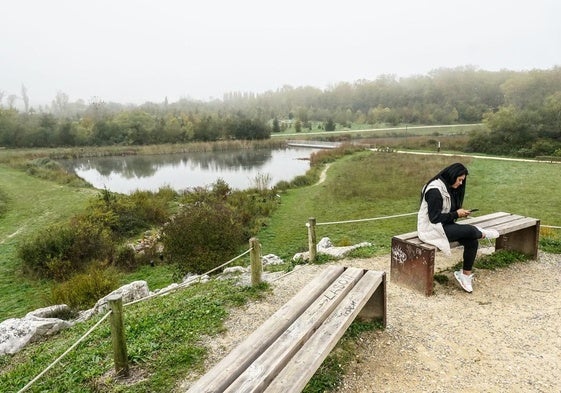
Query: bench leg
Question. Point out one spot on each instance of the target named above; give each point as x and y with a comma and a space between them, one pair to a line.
524, 241
376, 307
412, 266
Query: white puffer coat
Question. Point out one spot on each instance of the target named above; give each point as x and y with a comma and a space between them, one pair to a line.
426, 230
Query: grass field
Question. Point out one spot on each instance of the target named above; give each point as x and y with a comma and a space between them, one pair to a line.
164, 335
371, 185
31, 204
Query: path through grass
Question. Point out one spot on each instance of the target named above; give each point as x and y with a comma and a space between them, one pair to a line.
31, 204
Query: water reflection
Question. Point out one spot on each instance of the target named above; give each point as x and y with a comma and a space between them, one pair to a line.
180, 171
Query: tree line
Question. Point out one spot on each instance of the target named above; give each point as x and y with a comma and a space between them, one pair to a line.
521, 108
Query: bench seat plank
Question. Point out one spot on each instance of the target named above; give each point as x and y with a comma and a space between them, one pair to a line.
294, 377
259, 374
230, 367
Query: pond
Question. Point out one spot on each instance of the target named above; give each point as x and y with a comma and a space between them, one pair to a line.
240, 169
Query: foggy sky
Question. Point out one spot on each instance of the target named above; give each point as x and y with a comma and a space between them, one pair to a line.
133, 51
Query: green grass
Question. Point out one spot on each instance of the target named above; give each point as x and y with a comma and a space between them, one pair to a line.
369, 185
165, 336
163, 343
31, 204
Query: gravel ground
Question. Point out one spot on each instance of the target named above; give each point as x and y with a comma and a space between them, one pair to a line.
503, 337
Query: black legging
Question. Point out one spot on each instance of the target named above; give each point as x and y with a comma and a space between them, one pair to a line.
468, 236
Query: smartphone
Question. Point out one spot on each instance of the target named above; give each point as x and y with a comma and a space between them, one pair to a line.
473, 210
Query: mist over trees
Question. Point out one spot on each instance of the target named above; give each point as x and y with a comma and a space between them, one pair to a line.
522, 110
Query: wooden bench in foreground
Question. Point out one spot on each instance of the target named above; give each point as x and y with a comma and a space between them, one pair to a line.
412, 261
287, 349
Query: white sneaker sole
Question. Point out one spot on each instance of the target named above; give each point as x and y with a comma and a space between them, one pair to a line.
457, 275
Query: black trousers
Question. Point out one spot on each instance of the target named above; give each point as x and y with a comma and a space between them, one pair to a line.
468, 236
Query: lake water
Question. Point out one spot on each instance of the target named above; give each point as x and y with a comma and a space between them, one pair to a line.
239, 168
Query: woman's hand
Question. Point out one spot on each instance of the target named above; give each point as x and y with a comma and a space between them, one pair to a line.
463, 213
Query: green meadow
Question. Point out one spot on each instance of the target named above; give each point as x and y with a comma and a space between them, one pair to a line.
165, 335
372, 185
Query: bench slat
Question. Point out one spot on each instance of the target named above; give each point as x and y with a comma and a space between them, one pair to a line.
501, 221
227, 370
260, 373
297, 373
508, 227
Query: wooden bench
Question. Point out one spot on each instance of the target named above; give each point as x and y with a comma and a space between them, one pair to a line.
287, 349
412, 261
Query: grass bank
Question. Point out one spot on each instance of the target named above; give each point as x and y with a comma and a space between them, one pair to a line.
371, 185
31, 204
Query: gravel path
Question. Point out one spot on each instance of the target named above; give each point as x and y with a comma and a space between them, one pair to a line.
504, 337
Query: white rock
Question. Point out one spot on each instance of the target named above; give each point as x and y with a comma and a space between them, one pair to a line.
16, 333
271, 259
234, 270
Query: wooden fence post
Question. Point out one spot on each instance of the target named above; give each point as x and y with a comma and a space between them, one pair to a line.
312, 242
256, 264
120, 357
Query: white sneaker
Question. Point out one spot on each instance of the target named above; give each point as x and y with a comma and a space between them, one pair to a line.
489, 233
464, 280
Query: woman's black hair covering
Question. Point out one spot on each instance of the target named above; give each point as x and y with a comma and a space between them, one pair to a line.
449, 175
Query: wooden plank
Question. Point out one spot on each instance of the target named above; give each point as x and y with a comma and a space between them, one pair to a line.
259, 374
487, 217
407, 236
503, 222
294, 377
516, 225
227, 370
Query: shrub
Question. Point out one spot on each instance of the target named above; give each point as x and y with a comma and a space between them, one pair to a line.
83, 290
125, 258
202, 236
63, 249
127, 215
48, 169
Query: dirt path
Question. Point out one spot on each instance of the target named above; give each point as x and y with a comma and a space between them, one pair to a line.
503, 337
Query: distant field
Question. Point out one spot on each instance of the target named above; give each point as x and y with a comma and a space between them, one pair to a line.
366, 130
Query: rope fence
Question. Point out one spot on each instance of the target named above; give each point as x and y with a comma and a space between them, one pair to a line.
65, 353
365, 219
312, 224
119, 346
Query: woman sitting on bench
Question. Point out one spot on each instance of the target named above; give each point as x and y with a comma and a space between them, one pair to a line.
442, 198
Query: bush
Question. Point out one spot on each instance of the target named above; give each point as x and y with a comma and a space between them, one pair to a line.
83, 290
125, 258
128, 215
61, 250
202, 236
